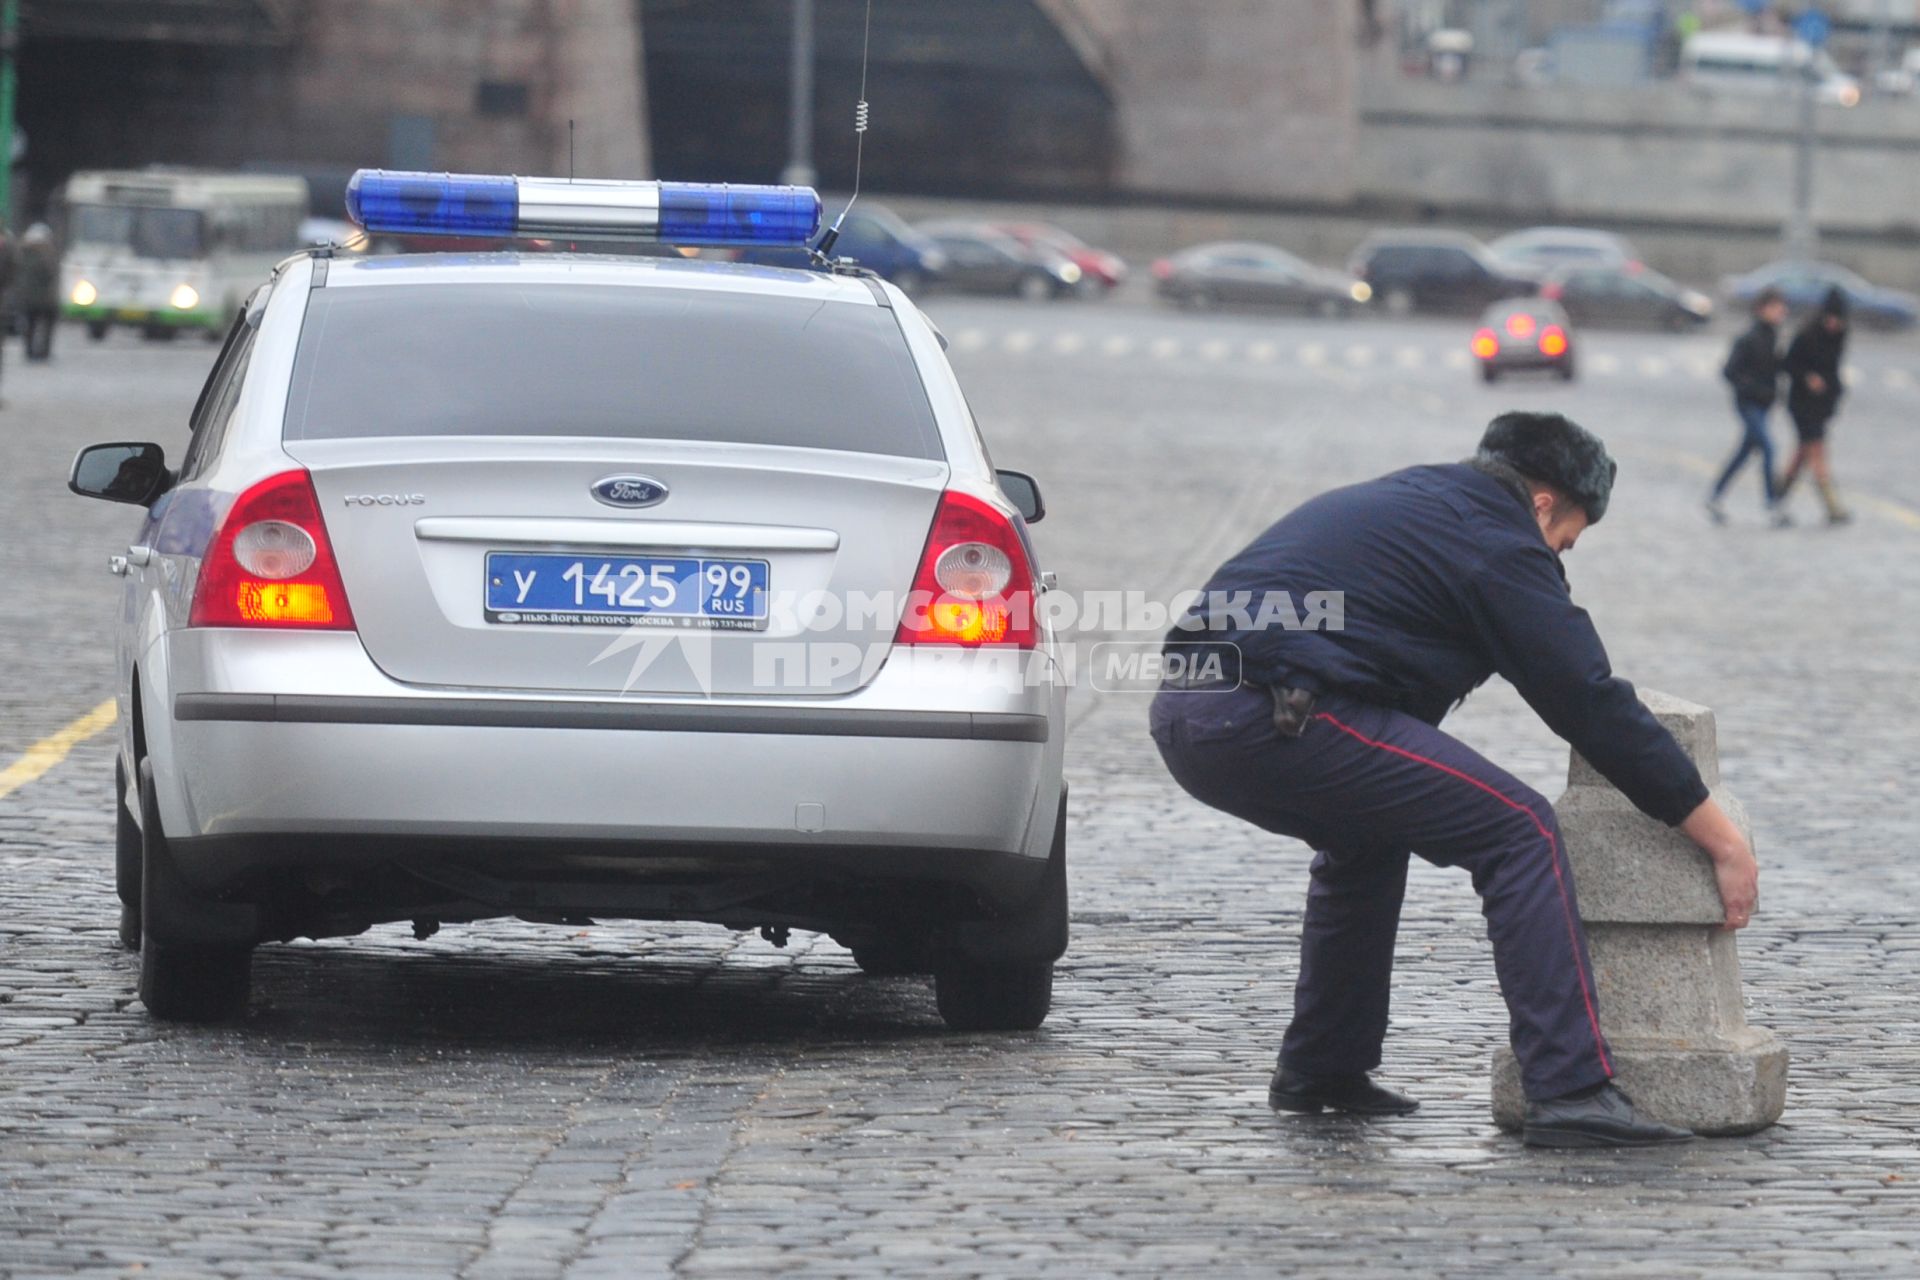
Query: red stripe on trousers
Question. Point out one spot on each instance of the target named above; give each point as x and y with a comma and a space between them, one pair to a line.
1553, 856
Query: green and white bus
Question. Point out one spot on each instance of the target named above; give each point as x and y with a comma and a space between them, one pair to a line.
162, 249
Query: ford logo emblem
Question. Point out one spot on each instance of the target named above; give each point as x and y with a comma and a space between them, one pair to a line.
630, 491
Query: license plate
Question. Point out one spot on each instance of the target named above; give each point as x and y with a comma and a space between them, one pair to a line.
658, 591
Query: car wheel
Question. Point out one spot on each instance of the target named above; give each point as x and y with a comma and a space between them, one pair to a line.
1678, 321
910, 282
159, 333
1036, 286
994, 998
97, 330
1566, 370
1199, 300
1489, 374
1399, 302
181, 981
1329, 309
126, 860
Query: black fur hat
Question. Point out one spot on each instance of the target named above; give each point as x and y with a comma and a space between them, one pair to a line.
1555, 450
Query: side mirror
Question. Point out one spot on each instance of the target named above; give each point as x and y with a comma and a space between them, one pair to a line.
124, 472
1024, 492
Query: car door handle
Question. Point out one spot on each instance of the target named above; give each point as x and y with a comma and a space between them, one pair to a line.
117, 566
139, 555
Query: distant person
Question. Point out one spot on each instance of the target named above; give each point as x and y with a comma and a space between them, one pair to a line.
1813, 393
1753, 367
6, 275
38, 295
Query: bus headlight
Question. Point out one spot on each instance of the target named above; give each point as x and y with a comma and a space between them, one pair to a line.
184, 297
84, 294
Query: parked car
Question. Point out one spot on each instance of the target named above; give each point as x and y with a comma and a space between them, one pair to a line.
1209, 275
1626, 295
1522, 335
1544, 248
1436, 271
878, 239
1806, 285
982, 260
1100, 271
472, 596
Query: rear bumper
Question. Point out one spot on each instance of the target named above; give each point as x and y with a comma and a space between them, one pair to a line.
146, 317
907, 764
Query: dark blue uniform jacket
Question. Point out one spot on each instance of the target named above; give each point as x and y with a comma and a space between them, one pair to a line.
1446, 580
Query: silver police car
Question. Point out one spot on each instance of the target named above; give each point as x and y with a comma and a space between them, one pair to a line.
569, 588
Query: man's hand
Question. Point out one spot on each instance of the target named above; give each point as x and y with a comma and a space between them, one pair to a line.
1816, 384
1734, 868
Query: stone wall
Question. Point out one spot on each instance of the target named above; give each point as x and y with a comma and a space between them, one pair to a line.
1235, 99
1657, 154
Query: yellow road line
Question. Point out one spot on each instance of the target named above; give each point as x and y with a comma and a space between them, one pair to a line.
1897, 512
51, 750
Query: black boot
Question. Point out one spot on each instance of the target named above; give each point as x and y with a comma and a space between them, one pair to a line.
1291, 1091
1598, 1116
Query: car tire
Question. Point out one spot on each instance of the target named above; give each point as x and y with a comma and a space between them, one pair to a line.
1567, 370
1035, 286
159, 333
194, 984
1489, 374
182, 981
97, 330
1198, 300
994, 997
1398, 302
126, 860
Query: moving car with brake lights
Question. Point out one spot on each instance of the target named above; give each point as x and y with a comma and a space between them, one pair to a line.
1211, 275
1626, 295
982, 260
1100, 271
1805, 286
1425, 270
571, 588
1527, 335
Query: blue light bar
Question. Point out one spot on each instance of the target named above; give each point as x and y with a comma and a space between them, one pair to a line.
685, 213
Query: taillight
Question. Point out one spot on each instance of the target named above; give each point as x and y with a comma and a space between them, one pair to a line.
1553, 341
1553, 292
974, 585
1485, 344
271, 565
1520, 325
1162, 269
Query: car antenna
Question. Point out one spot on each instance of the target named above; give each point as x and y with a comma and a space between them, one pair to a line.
823, 252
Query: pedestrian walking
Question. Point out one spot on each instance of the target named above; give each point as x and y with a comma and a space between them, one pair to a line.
1330, 734
1814, 389
1753, 367
38, 292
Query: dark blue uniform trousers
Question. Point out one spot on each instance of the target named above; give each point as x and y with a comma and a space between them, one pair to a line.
1366, 787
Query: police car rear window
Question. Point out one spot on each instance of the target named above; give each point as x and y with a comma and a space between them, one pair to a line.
495, 359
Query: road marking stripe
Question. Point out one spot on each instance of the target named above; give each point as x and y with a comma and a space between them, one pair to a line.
1360, 355
970, 339
1410, 357
1214, 349
1018, 343
1117, 345
1164, 348
1652, 366
1263, 352
1068, 343
1313, 353
51, 750
1605, 363
1456, 359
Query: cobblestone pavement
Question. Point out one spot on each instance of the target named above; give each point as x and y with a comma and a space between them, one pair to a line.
513, 1100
